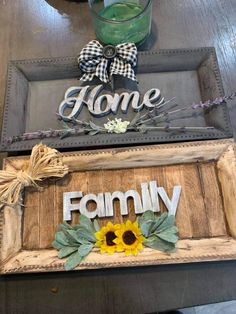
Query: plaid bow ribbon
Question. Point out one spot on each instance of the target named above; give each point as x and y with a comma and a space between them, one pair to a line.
94, 62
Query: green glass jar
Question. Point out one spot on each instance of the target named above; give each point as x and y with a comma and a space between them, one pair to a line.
117, 22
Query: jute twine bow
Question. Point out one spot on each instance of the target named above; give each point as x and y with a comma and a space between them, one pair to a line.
44, 163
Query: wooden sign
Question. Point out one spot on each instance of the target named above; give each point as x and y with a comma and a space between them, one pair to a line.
205, 217
188, 75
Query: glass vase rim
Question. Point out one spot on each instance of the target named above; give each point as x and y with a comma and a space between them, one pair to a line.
122, 21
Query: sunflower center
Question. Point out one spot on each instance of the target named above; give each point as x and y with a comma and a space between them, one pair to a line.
110, 236
129, 237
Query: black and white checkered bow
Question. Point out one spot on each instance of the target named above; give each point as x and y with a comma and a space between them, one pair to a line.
94, 60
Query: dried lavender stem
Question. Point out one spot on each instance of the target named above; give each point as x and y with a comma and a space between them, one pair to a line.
179, 128
166, 113
156, 107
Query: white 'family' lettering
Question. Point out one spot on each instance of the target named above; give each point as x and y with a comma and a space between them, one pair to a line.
149, 200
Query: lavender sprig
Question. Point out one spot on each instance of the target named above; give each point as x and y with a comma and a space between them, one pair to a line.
216, 102
138, 124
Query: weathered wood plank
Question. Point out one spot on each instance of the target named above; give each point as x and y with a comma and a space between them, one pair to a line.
196, 207
175, 176
110, 181
46, 216
137, 157
127, 183
11, 240
79, 182
227, 177
61, 186
212, 199
31, 220
194, 210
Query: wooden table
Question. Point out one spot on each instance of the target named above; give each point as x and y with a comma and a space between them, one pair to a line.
39, 28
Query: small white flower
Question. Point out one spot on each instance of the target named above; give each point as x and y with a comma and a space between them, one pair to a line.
116, 126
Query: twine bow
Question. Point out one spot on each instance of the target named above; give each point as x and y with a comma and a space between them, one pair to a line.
103, 62
44, 163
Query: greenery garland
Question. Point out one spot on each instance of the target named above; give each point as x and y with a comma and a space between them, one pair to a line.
76, 242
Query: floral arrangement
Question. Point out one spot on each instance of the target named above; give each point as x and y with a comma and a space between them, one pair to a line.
129, 238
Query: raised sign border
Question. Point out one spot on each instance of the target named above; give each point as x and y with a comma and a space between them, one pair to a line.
15, 260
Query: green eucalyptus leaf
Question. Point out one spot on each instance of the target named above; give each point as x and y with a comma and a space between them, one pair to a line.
57, 245
84, 249
148, 215
166, 224
146, 227
76, 239
158, 221
72, 235
159, 244
72, 241
86, 223
84, 233
61, 238
93, 125
73, 261
96, 225
168, 235
65, 251
146, 221
93, 132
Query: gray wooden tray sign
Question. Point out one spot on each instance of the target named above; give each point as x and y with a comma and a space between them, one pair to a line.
36, 88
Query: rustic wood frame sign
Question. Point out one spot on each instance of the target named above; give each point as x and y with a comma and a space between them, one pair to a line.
206, 215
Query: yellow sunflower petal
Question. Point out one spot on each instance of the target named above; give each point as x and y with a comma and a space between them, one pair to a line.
98, 244
119, 248
140, 246
116, 241
110, 225
128, 253
129, 238
106, 246
99, 235
128, 223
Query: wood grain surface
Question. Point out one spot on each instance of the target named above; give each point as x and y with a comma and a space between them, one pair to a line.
36, 28
200, 212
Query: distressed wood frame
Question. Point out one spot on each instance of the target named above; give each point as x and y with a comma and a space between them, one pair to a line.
15, 260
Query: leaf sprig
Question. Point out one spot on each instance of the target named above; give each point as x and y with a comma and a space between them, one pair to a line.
75, 242
160, 232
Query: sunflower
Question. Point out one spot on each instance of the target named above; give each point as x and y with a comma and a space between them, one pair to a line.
105, 238
129, 238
